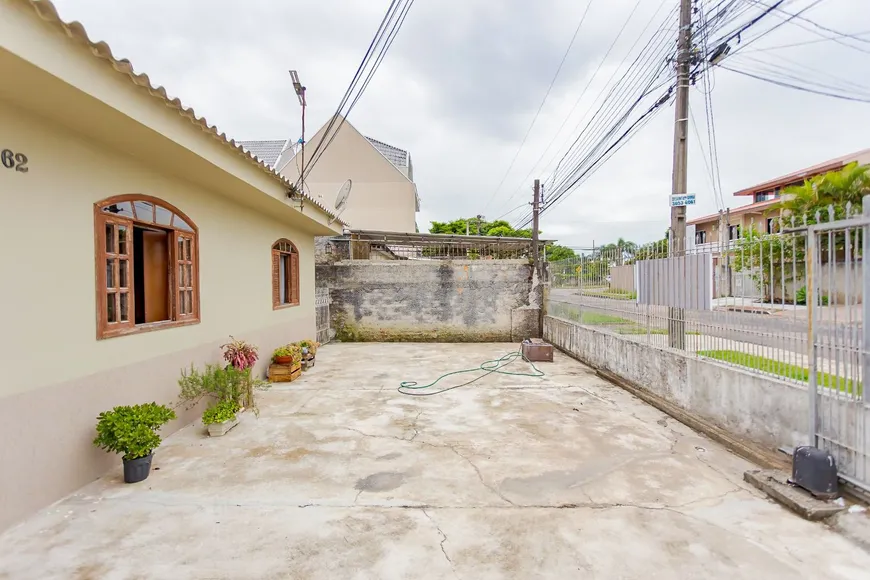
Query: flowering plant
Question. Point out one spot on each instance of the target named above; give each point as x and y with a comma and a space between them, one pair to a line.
240, 354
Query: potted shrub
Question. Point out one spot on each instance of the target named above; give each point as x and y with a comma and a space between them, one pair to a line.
309, 346
219, 384
132, 431
221, 417
309, 349
241, 355
283, 355
289, 354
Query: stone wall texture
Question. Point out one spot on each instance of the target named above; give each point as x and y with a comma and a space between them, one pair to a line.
432, 301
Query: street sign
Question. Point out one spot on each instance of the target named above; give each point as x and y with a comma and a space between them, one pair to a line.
682, 199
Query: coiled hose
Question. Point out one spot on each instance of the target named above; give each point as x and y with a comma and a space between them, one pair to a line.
489, 367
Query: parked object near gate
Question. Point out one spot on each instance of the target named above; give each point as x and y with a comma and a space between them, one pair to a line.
132, 431
815, 470
536, 350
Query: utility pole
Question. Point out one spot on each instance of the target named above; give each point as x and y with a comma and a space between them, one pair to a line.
300, 94
536, 210
677, 323
537, 284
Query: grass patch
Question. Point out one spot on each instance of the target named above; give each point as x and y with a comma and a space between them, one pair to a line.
780, 368
596, 318
613, 294
658, 331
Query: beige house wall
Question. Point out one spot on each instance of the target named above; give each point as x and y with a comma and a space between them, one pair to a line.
382, 197
57, 375
92, 129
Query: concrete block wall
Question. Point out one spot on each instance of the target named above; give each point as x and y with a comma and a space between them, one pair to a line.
432, 301
763, 410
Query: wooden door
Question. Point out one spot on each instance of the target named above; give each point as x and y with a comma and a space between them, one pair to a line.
155, 256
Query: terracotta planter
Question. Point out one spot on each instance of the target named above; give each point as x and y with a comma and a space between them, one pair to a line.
283, 360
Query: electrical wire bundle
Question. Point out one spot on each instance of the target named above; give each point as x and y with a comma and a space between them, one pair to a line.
625, 105
782, 71
377, 50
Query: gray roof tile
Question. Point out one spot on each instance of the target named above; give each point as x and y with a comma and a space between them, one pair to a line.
266, 151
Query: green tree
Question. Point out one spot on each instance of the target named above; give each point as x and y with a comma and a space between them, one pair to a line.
556, 253
835, 189
499, 228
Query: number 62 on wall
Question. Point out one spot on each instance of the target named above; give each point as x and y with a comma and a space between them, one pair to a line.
11, 160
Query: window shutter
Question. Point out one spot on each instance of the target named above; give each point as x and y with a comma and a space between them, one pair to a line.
276, 278
294, 278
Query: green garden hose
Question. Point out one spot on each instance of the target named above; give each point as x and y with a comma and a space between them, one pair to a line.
490, 366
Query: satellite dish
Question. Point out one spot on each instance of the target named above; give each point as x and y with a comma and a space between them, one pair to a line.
341, 199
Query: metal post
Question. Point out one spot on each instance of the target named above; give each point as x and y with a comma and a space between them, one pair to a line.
302, 171
865, 301
535, 215
677, 326
536, 254
812, 388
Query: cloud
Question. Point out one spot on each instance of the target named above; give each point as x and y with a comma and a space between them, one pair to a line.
464, 80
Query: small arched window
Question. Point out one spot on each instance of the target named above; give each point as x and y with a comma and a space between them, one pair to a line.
285, 274
147, 266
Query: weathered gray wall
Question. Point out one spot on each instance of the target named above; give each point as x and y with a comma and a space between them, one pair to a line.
431, 301
764, 410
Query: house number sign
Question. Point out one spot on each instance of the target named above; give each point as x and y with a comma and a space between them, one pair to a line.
11, 160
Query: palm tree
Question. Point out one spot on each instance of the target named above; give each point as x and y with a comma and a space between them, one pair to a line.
835, 188
850, 184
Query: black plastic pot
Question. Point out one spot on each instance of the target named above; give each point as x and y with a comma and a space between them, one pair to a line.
136, 470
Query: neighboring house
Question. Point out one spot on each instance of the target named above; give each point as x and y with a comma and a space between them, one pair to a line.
762, 210
383, 197
134, 240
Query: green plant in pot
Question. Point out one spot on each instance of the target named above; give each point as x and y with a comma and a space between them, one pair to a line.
132, 432
221, 417
289, 354
309, 346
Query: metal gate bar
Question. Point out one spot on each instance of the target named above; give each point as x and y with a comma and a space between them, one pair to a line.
837, 292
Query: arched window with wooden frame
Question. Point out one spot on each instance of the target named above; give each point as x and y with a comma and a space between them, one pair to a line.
147, 258
285, 274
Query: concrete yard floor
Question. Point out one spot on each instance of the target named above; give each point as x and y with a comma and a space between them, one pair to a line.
510, 477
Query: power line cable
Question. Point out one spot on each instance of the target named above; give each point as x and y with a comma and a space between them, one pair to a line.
584, 91
381, 43
796, 87
541, 106
796, 44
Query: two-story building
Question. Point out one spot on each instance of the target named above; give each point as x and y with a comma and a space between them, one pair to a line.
716, 232
383, 194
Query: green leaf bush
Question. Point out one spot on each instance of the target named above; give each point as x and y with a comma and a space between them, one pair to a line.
219, 384
132, 430
220, 412
291, 350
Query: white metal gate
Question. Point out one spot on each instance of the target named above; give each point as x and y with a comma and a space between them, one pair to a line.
837, 313
321, 306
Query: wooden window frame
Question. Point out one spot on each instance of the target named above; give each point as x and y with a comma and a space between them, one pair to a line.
291, 281
106, 329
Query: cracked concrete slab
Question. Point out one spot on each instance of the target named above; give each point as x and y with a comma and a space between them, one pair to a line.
509, 477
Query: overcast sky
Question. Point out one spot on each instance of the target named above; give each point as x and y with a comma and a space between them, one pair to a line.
461, 85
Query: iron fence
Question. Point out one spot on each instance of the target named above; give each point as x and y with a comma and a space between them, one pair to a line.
368, 245
784, 298
742, 301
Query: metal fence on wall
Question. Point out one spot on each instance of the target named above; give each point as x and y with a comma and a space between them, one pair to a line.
785, 300
385, 246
